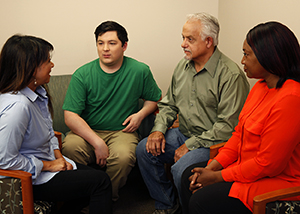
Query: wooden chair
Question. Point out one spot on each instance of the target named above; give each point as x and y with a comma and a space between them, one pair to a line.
11, 191
268, 203
12, 204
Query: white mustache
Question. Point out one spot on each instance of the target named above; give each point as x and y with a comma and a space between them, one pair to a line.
187, 50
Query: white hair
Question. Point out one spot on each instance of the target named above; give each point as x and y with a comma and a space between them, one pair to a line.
210, 26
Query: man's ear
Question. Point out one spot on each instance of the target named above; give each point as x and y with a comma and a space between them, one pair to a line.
209, 42
125, 46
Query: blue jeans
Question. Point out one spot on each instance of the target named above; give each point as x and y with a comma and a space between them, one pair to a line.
153, 170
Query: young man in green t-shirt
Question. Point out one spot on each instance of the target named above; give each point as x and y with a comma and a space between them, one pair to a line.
101, 106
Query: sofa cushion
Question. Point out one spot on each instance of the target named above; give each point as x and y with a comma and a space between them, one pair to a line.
58, 86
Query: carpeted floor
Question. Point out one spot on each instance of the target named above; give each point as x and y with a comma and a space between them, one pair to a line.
134, 196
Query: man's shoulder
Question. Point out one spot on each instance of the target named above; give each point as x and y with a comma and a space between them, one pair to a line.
183, 63
229, 63
87, 67
135, 63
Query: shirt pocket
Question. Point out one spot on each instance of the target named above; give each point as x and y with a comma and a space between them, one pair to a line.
252, 135
253, 127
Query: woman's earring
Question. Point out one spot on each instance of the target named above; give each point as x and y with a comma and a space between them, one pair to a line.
35, 82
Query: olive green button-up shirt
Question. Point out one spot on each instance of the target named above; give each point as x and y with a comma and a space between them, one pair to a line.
207, 102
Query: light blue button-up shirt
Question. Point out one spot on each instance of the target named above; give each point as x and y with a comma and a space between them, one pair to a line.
26, 133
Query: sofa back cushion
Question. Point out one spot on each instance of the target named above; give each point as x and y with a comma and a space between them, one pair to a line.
58, 86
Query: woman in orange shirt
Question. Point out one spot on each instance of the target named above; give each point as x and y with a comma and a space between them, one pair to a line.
263, 153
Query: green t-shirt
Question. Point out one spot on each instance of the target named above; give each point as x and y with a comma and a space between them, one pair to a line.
105, 100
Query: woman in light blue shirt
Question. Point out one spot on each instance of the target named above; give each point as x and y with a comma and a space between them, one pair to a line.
27, 137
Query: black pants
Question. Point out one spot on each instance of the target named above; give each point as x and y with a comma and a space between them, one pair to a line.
77, 189
212, 199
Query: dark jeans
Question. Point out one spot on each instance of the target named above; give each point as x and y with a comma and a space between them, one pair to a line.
211, 199
77, 189
153, 169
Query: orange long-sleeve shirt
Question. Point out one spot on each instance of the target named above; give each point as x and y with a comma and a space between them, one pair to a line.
263, 153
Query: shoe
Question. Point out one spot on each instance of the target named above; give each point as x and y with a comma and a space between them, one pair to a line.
174, 210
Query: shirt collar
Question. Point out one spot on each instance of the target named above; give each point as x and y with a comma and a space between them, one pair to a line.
32, 96
211, 64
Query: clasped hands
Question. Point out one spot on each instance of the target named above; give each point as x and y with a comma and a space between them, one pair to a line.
59, 164
203, 177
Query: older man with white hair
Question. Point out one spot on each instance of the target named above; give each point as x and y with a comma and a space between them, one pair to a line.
207, 92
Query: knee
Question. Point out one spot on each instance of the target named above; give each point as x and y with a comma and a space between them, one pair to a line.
106, 179
71, 143
77, 152
184, 179
186, 174
126, 159
176, 171
102, 180
67, 149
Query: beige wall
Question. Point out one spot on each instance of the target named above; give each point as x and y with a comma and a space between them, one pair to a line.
154, 28
237, 17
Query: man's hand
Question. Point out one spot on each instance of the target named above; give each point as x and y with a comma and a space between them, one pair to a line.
133, 123
156, 143
182, 150
101, 152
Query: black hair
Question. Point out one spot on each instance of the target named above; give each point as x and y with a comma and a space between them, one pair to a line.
112, 26
277, 50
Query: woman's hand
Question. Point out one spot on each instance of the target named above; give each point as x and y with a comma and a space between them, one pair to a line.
203, 177
214, 165
59, 164
69, 166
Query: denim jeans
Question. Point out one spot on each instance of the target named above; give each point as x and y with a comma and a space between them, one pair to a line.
153, 170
